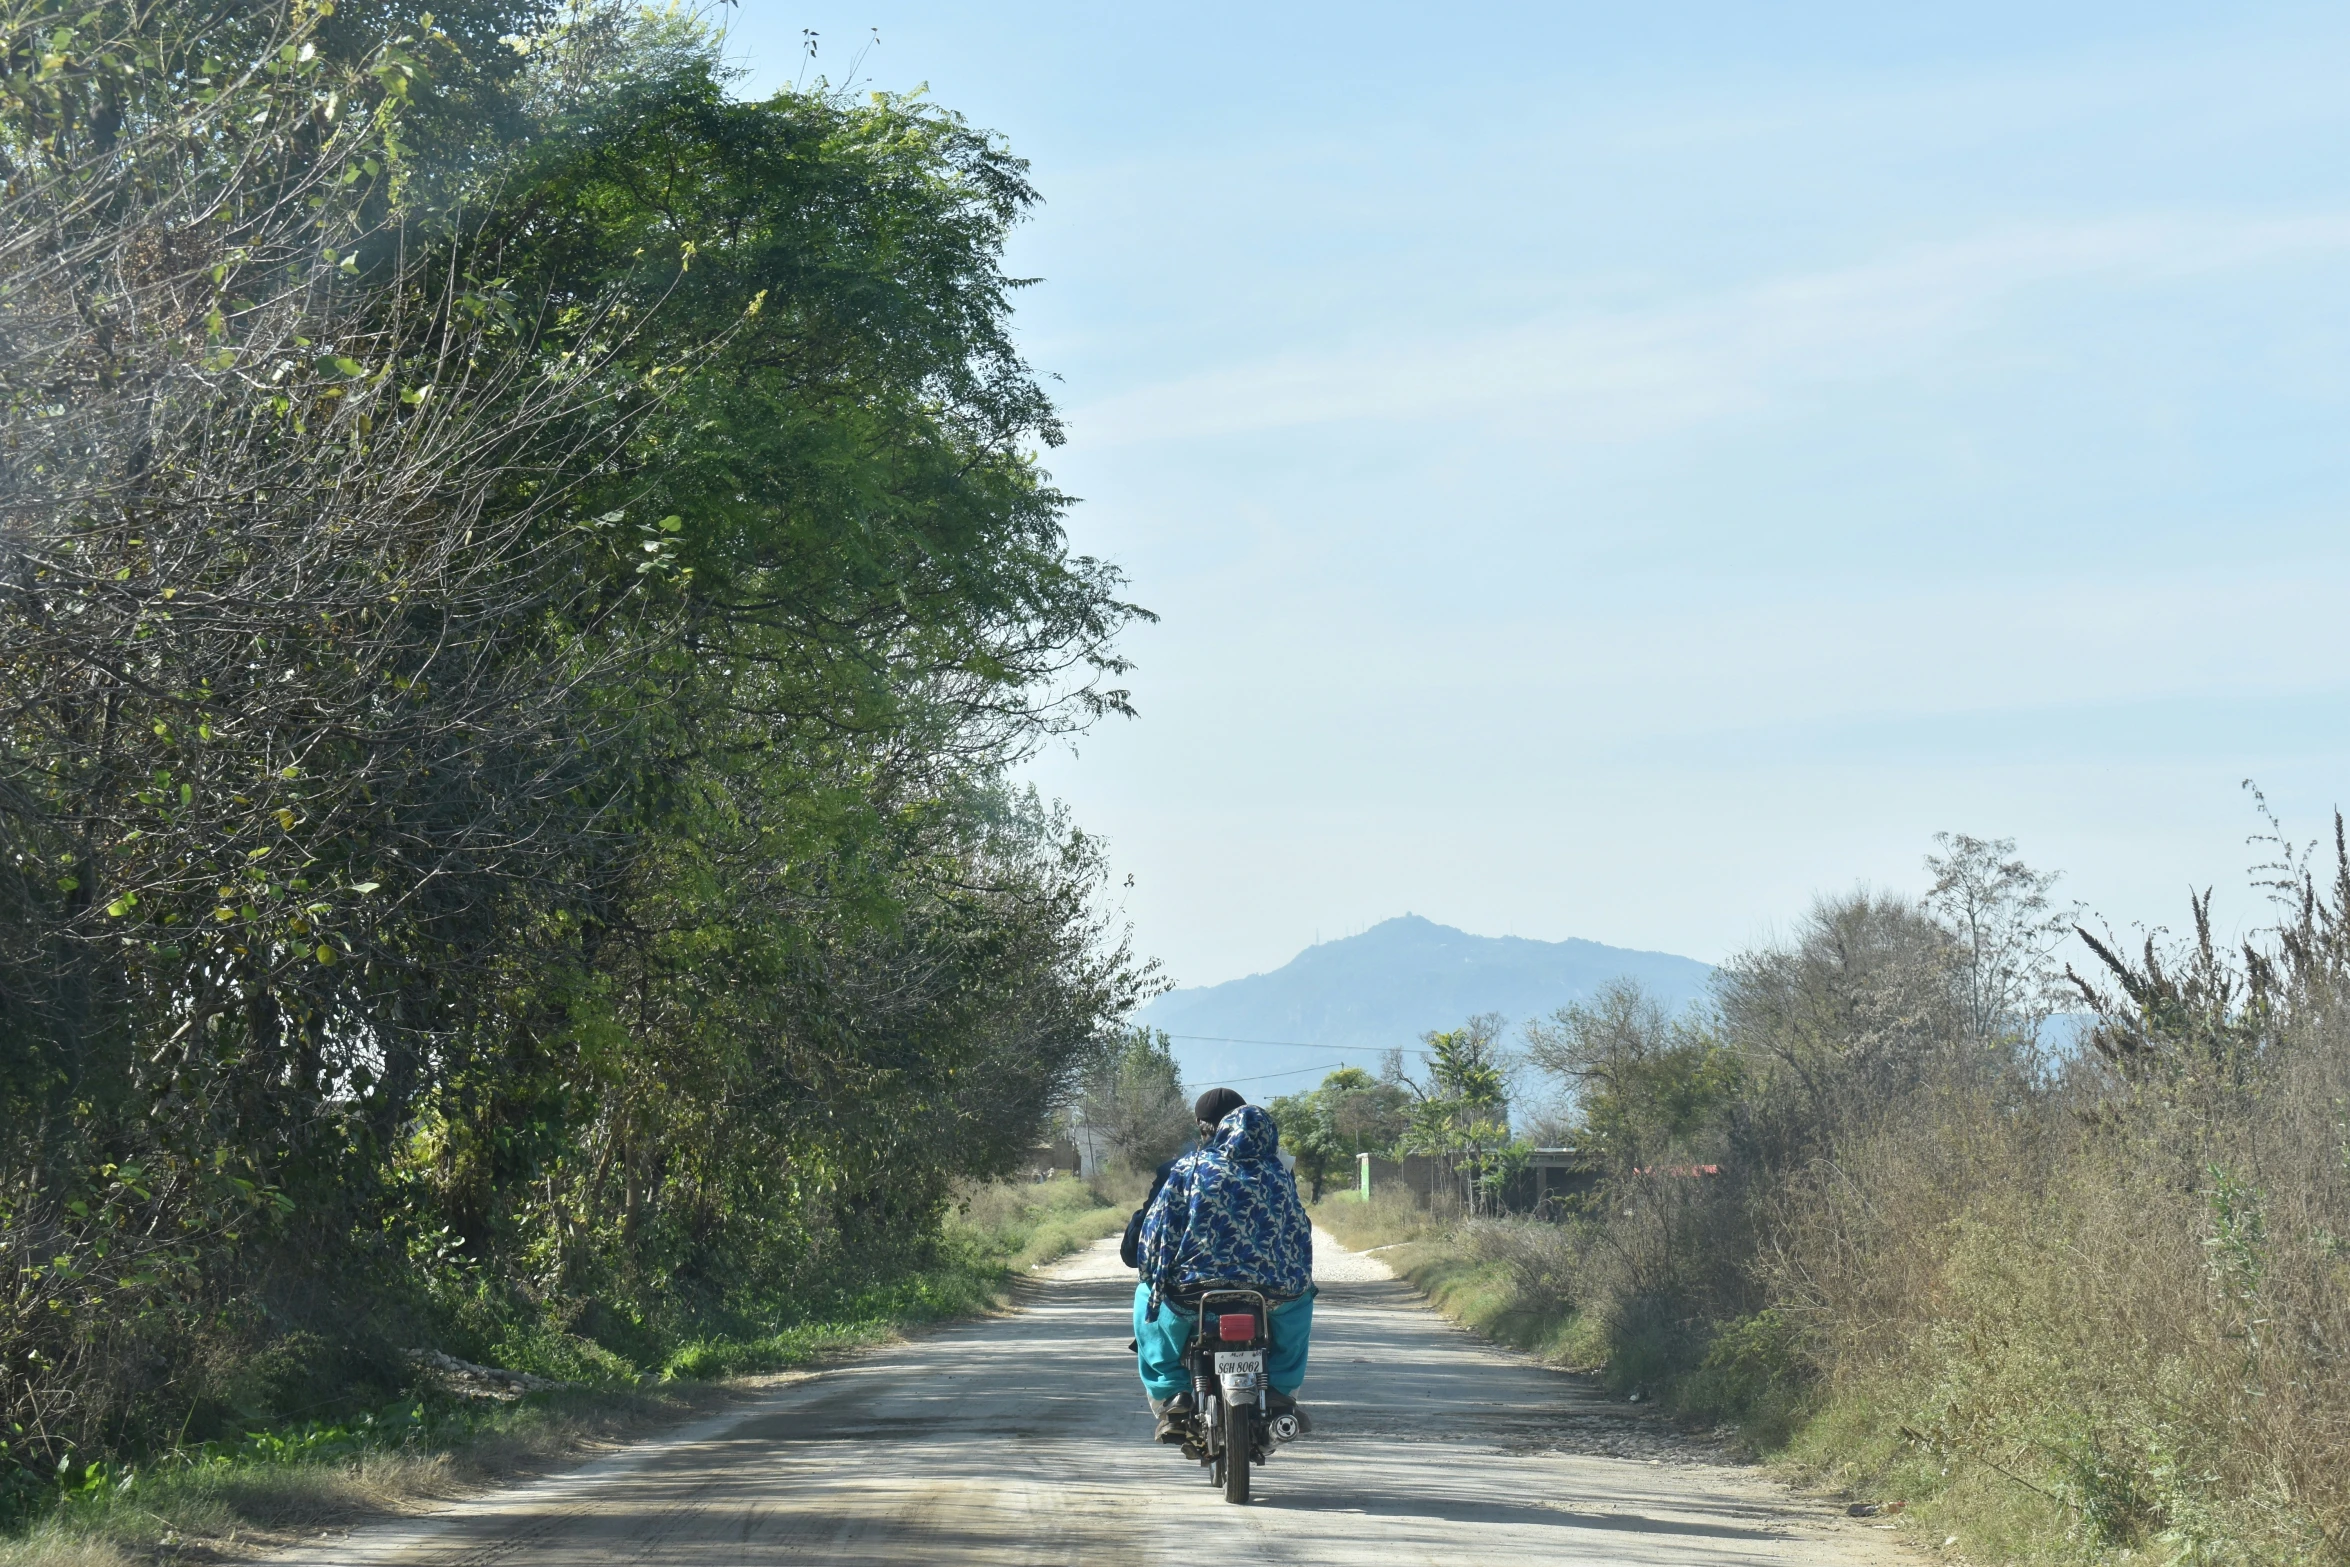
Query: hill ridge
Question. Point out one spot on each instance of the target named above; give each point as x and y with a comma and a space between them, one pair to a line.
1355, 997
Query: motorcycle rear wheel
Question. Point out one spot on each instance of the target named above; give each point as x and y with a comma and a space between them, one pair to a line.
1236, 1465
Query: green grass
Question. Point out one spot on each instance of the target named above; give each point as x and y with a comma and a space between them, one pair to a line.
272, 1487
1482, 1294
1388, 1219
1485, 1298
1019, 1226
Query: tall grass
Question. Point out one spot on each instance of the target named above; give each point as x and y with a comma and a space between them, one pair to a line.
1390, 1218
1509, 1280
1023, 1225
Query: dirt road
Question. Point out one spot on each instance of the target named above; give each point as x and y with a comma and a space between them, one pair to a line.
1024, 1440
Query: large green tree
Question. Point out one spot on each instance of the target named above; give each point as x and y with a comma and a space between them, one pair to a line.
520, 579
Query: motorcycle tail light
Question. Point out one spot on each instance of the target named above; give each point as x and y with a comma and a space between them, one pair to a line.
1236, 1327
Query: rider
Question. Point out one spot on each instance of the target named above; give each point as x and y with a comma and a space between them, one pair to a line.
1227, 1214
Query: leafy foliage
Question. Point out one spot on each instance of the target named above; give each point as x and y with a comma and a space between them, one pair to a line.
1351, 1113
520, 579
1647, 1087
1460, 1113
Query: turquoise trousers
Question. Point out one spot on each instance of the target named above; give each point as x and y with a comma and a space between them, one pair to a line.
1158, 1346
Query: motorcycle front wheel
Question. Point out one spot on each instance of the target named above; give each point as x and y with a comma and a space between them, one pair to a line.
1236, 1464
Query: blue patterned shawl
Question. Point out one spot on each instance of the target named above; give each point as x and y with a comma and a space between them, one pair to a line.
1229, 1214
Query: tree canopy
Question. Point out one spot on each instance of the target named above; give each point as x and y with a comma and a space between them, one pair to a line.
521, 577
1348, 1114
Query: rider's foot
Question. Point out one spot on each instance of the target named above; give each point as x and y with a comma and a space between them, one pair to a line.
1172, 1416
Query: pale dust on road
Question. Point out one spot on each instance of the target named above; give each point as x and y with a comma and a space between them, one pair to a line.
1024, 1439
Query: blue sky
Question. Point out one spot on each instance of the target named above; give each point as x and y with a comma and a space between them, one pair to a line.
1619, 471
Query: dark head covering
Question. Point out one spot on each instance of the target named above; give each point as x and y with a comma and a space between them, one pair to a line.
1216, 1104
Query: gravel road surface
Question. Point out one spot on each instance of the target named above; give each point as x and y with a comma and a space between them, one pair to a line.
1024, 1439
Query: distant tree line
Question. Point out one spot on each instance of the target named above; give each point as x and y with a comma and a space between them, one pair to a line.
521, 577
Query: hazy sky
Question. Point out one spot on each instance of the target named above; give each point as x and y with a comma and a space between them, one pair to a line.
1616, 471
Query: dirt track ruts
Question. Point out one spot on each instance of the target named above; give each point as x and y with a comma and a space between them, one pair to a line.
1023, 1439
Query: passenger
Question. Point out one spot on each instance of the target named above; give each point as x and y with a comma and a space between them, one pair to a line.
1226, 1215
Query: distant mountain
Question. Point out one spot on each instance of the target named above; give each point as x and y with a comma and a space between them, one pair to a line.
1351, 1000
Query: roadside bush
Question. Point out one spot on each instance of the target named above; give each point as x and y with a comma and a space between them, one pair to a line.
546, 1351
2066, 1305
1542, 1261
1755, 1375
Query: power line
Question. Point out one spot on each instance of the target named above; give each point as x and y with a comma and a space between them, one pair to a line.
1288, 1044
1293, 1072
1221, 1039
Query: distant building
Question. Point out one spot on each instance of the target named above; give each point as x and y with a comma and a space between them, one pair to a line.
1093, 1150
1046, 1160
1552, 1178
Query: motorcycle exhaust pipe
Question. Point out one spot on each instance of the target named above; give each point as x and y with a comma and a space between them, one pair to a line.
1284, 1428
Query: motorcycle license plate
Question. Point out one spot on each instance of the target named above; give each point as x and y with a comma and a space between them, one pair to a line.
1245, 1366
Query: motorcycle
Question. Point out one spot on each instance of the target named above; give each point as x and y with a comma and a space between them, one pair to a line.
1230, 1427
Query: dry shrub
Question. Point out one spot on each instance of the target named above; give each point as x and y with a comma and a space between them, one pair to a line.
1547, 1262
2070, 1306
2067, 1306
2129, 1312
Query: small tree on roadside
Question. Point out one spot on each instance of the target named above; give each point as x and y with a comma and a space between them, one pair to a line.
1642, 1081
1501, 1167
2005, 934
1349, 1114
1134, 1101
1366, 1114
1461, 1110
1305, 1135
